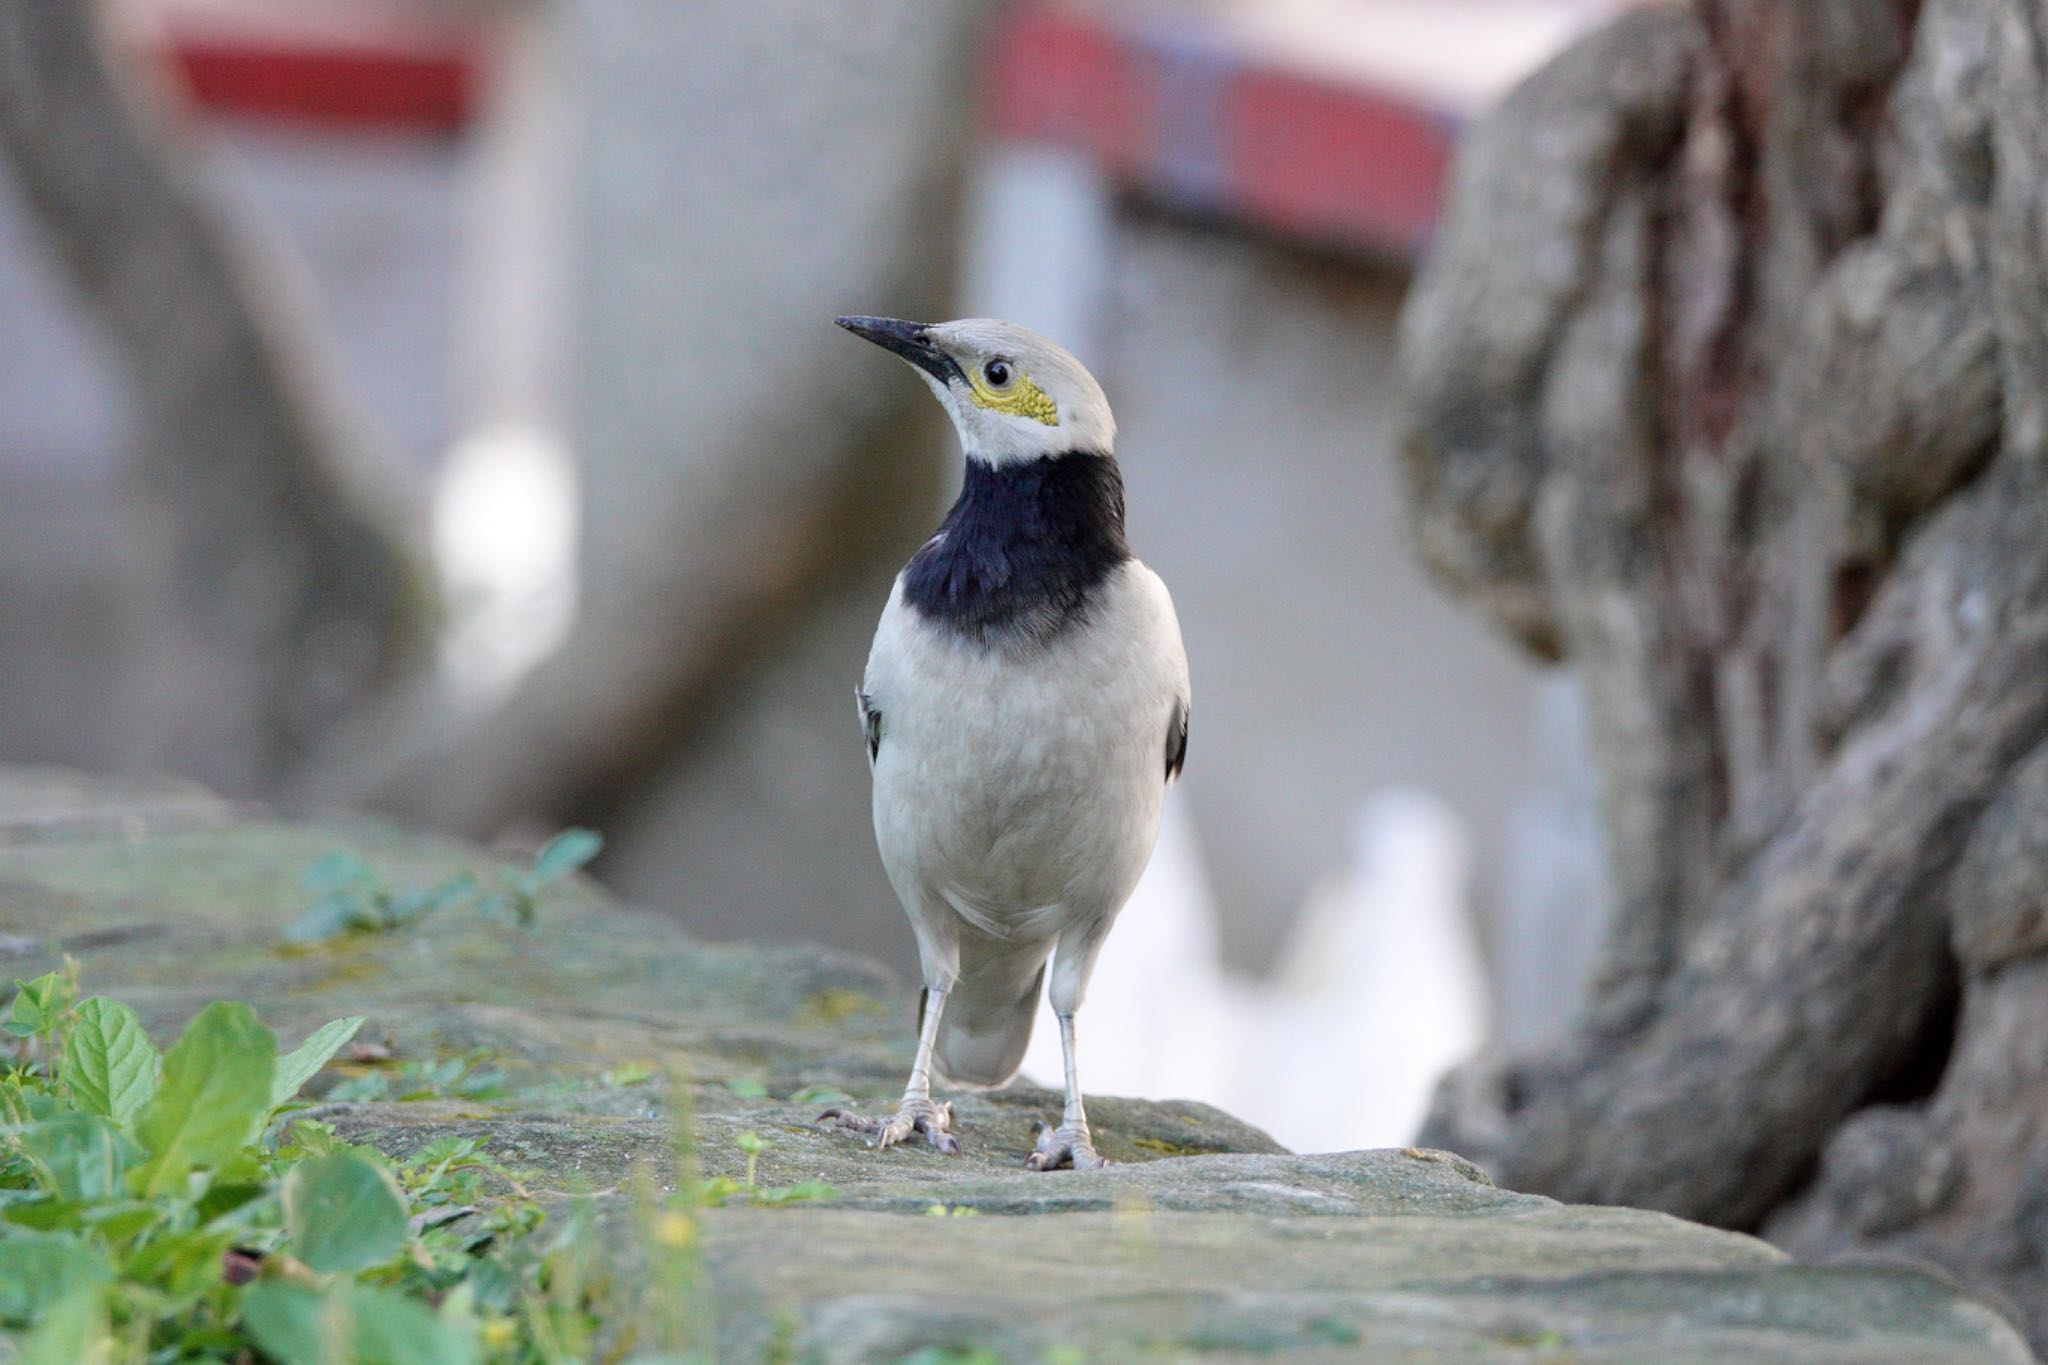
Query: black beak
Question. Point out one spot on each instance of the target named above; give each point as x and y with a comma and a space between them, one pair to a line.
908, 340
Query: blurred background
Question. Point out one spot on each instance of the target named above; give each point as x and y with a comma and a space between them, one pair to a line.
433, 407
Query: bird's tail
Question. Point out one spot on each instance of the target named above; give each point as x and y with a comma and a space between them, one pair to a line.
987, 1023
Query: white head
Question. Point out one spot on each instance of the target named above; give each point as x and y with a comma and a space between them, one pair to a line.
1012, 394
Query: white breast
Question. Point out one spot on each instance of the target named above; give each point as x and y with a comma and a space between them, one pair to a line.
1022, 789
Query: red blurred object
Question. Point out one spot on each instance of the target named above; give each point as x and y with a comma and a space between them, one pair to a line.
1336, 164
1187, 119
419, 87
1068, 79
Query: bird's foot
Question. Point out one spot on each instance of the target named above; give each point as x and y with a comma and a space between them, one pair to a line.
917, 1114
1063, 1146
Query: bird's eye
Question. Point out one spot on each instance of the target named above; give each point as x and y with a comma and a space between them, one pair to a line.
997, 373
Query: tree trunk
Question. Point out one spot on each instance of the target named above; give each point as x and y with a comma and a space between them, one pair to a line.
1730, 387
287, 590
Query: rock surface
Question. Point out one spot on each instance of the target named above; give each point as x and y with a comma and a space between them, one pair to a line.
1204, 1239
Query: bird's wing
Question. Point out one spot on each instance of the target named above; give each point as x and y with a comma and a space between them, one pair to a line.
1155, 613
870, 723
1177, 739
875, 685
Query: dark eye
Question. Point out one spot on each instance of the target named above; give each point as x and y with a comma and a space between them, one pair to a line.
997, 373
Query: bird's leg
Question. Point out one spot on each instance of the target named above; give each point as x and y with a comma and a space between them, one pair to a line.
1069, 1144
917, 1113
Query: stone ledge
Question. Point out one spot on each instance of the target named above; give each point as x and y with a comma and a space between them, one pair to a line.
1206, 1238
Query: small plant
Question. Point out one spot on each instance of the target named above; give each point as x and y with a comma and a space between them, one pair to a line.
351, 898
465, 1077
721, 1189
751, 1144
517, 897
821, 1094
164, 1207
626, 1075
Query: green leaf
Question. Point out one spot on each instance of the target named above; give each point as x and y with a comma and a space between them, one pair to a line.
17, 1102
747, 1087
113, 1220
76, 1156
73, 1332
394, 1330
213, 1100
303, 1062
343, 1213
366, 1089
566, 852
47, 1215
497, 1286
808, 1189
821, 1094
119, 1220
629, 1074
500, 906
109, 1062
412, 904
294, 1323
332, 916
183, 1265
351, 1325
339, 870
314, 1138
40, 1269
36, 1005
223, 1198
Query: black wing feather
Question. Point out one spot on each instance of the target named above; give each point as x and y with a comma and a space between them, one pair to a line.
870, 723
1177, 740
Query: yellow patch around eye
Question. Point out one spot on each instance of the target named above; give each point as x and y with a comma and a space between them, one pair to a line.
1022, 399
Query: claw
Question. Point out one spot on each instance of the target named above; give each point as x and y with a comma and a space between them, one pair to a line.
916, 1115
1063, 1146
937, 1128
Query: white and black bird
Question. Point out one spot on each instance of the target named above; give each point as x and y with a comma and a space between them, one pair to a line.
1025, 707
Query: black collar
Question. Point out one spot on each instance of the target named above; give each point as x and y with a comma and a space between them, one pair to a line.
1023, 548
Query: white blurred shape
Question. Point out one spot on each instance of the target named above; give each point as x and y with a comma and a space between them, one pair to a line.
505, 517
1156, 1021
1458, 55
1381, 990
508, 500
1554, 900
1037, 236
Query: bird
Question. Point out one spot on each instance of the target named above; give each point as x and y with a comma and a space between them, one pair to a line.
1024, 707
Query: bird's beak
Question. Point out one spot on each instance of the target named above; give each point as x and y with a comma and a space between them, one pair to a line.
909, 340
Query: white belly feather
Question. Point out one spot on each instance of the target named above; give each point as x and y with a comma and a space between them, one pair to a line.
1021, 790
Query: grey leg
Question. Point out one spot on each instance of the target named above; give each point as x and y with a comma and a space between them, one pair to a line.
917, 1113
1069, 1144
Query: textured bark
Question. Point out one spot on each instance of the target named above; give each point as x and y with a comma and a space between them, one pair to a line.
287, 590
1729, 386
